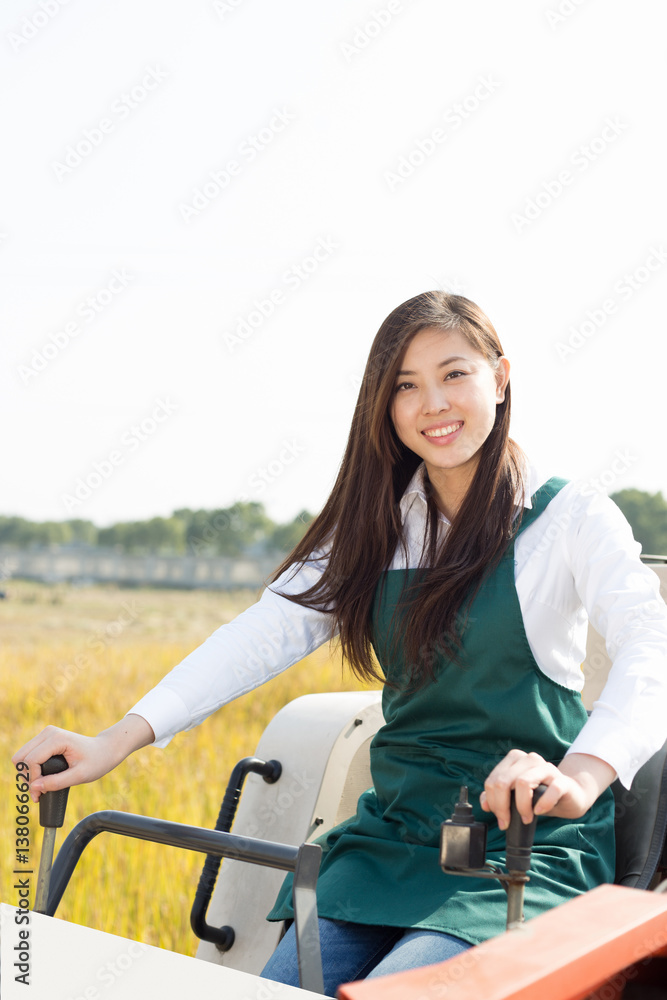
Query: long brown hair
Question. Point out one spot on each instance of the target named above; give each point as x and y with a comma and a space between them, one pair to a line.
360, 524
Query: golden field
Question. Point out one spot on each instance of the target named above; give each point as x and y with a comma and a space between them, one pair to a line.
79, 658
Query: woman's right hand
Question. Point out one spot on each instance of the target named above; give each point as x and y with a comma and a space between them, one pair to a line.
88, 757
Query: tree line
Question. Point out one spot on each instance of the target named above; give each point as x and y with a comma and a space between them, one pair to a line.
647, 514
229, 531
246, 527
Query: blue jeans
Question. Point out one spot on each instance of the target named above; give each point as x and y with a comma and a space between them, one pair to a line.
360, 951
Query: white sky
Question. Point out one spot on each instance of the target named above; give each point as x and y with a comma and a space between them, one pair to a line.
219, 73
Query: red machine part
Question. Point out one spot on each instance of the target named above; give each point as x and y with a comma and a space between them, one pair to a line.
605, 938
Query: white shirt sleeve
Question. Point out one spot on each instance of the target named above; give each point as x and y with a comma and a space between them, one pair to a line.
621, 595
257, 645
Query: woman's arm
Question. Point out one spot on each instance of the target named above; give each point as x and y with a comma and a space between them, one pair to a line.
579, 563
256, 646
89, 757
259, 643
628, 723
572, 787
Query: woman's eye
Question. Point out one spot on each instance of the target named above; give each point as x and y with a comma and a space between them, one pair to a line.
411, 385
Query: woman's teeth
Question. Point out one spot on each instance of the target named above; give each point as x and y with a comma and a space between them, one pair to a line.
443, 431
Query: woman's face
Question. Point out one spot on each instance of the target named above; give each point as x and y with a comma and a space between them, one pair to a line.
444, 403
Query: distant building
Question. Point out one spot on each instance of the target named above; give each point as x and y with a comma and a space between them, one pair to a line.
89, 564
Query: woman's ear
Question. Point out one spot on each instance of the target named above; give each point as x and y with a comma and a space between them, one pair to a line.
502, 378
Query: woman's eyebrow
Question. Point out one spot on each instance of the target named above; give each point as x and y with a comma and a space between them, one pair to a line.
442, 364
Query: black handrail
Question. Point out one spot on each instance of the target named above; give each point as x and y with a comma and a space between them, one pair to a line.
223, 937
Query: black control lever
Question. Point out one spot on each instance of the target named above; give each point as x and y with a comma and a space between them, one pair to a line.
52, 807
519, 841
463, 850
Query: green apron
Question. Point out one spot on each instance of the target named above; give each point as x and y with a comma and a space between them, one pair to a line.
382, 865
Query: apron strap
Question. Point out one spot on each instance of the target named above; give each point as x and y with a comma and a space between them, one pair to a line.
540, 500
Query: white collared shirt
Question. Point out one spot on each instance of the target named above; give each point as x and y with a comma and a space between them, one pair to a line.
578, 560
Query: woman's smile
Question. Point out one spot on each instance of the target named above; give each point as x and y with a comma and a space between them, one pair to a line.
443, 435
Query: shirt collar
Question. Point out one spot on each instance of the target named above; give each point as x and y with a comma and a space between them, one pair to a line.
533, 480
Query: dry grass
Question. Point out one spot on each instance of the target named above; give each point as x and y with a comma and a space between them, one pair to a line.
80, 658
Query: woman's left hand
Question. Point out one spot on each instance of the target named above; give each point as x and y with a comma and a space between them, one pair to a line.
572, 787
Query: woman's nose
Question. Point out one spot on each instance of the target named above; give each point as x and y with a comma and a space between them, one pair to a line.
435, 400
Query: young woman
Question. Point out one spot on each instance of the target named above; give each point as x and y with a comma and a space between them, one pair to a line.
471, 577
